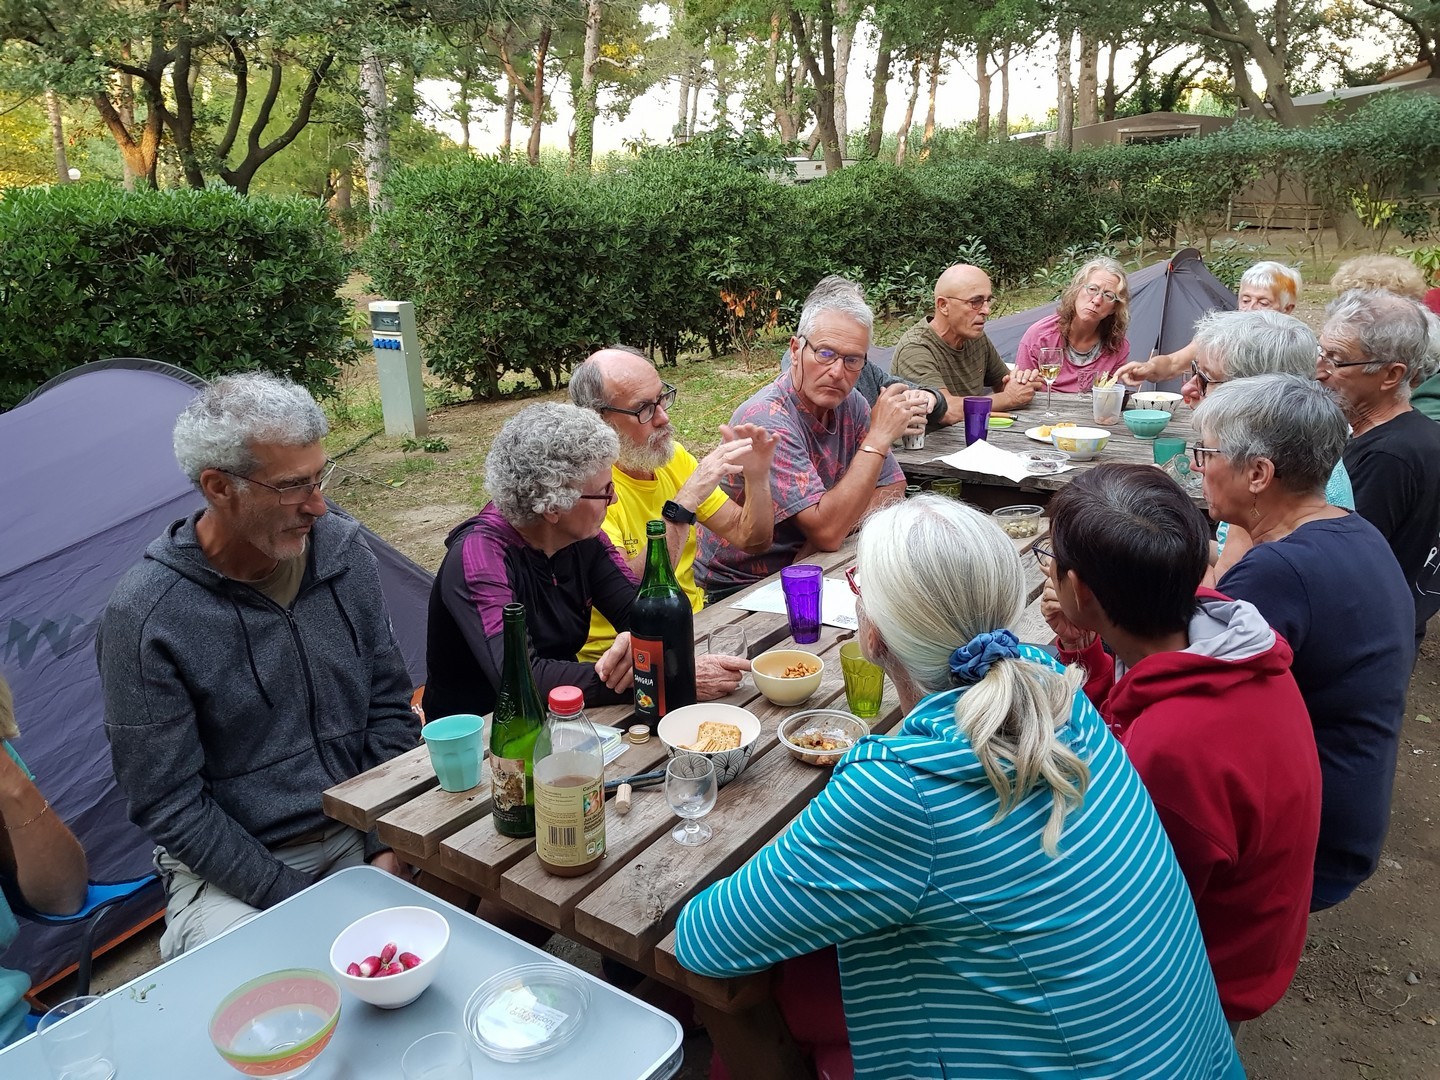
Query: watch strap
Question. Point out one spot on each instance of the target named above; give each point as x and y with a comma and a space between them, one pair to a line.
673, 511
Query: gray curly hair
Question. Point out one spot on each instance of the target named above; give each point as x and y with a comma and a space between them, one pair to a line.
542, 456
217, 429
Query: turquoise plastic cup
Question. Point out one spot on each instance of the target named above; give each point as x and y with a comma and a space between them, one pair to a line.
455, 750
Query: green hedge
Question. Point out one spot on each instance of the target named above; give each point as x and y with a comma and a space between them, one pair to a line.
207, 280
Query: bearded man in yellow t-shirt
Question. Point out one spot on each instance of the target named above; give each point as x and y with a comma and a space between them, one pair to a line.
657, 478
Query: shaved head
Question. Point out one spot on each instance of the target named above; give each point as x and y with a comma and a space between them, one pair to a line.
623, 378
956, 319
962, 280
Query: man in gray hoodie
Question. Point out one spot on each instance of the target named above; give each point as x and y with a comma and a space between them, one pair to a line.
248, 664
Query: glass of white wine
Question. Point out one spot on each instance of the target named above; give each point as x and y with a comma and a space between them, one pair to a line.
690, 790
1049, 365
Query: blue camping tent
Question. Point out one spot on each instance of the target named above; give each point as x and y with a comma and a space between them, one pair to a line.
90, 480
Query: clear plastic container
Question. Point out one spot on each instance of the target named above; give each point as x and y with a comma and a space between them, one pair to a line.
1019, 522
527, 1012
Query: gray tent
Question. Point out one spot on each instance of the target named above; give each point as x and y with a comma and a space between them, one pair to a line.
90, 479
1166, 300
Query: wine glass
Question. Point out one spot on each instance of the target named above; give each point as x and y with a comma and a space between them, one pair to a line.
1049, 364
728, 641
690, 790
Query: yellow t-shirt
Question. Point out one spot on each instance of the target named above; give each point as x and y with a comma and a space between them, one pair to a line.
639, 502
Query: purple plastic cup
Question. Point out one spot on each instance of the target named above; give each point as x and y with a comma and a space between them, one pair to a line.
977, 418
803, 586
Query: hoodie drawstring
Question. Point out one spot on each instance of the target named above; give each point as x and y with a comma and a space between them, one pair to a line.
249, 651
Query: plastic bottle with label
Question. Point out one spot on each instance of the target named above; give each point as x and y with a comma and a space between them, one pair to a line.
662, 636
513, 731
569, 788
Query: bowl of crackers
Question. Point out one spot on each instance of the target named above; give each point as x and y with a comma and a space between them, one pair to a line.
726, 734
787, 676
821, 736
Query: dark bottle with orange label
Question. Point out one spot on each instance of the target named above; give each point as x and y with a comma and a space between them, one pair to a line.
662, 635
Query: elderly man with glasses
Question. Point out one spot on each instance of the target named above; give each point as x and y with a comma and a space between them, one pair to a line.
1373, 346
832, 450
950, 349
656, 478
248, 664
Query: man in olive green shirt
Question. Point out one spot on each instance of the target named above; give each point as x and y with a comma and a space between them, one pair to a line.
950, 349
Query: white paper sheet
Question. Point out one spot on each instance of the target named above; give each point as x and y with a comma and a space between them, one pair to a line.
837, 602
981, 457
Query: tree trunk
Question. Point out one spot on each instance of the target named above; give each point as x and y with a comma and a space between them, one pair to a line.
375, 118
822, 77
507, 124
903, 141
1065, 93
722, 83
692, 124
930, 112
982, 85
1110, 96
1088, 91
57, 136
879, 97
537, 97
462, 108
1002, 118
844, 38
344, 189
586, 107
682, 114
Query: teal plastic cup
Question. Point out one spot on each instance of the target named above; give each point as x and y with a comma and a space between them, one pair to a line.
455, 750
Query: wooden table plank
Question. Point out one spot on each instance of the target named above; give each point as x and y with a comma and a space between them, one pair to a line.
921, 464
360, 801
417, 827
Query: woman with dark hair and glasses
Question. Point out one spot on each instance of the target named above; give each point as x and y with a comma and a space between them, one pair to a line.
1199, 692
1085, 336
539, 542
1327, 581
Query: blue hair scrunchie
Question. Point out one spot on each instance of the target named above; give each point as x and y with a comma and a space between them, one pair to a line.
970, 662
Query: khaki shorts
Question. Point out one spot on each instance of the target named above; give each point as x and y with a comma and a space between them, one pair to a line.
196, 910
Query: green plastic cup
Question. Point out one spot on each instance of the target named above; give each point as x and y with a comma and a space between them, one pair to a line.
864, 681
1165, 449
455, 750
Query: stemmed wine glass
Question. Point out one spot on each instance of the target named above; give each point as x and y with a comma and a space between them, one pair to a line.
1049, 364
690, 790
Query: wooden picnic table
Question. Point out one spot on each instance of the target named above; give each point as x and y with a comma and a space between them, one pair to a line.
627, 908
991, 491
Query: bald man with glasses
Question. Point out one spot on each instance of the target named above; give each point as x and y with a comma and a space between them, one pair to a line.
950, 349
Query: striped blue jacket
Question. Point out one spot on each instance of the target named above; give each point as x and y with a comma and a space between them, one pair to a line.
965, 950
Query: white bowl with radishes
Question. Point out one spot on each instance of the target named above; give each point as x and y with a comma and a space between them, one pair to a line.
388, 958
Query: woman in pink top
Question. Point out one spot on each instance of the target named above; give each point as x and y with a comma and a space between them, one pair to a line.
1088, 329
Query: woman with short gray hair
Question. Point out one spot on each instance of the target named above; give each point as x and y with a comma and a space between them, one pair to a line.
538, 542
1326, 580
996, 857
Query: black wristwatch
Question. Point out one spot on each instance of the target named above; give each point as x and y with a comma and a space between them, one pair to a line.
673, 511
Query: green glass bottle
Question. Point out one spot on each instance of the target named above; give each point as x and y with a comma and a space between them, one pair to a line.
662, 635
517, 722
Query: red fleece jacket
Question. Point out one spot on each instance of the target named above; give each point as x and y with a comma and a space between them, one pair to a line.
1221, 738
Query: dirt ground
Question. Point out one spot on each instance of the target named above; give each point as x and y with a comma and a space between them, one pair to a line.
1365, 1002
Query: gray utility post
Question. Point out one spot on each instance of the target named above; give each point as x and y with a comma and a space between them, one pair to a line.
397, 358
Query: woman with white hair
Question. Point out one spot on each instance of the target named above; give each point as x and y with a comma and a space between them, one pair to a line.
538, 542
998, 882
1326, 580
1087, 329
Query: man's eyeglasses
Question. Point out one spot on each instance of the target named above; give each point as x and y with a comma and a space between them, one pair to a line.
608, 495
291, 494
1044, 556
850, 580
1327, 360
1198, 454
829, 356
1093, 291
974, 303
1202, 380
645, 412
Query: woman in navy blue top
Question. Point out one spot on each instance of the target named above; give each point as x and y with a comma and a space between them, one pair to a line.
1328, 583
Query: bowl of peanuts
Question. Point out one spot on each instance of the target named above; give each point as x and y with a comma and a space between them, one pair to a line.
821, 736
787, 676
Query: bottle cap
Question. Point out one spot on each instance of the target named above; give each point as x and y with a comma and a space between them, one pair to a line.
639, 733
566, 700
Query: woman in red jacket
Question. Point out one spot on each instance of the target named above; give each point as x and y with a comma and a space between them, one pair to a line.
1199, 692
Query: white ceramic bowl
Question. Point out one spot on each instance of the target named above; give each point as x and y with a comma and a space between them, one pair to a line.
419, 930
680, 728
1081, 443
1156, 399
767, 671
